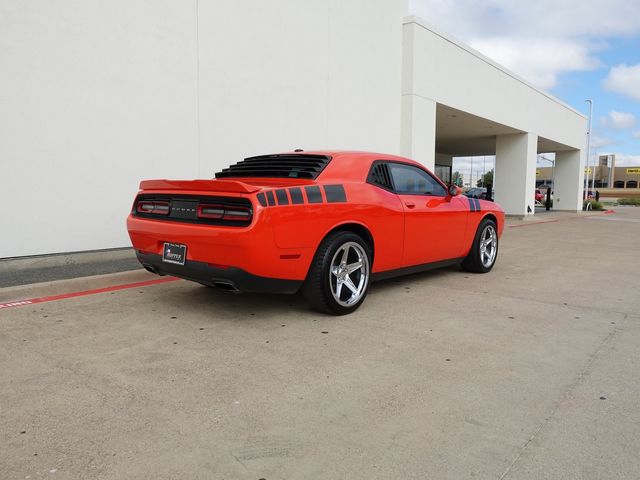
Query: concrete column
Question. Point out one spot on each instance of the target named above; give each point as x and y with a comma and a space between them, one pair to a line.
418, 138
515, 173
568, 182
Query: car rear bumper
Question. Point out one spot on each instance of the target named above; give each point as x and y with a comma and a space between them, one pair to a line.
250, 249
225, 278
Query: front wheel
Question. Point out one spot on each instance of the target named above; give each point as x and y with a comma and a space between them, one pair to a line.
339, 277
484, 250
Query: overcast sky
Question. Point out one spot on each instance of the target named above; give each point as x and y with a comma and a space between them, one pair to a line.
573, 49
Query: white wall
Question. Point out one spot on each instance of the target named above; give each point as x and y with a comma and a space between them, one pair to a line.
281, 74
418, 137
97, 95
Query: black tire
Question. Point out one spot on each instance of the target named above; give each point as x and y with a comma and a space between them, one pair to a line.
476, 260
321, 283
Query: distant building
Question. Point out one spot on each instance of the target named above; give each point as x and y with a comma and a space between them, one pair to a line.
604, 175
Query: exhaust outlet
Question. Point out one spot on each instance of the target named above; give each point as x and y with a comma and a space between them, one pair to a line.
152, 269
226, 286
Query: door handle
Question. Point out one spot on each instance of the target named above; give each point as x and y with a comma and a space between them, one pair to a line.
410, 204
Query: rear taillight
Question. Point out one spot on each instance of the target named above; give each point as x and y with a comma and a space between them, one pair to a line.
239, 214
153, 207
203, 210
215, 212
224, 212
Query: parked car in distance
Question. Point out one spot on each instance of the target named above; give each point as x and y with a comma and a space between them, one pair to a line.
326, 223
540, 197
476, 192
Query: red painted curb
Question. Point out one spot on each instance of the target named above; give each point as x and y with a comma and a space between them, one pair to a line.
52, 298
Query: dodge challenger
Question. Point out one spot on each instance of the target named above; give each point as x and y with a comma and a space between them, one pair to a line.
325, 223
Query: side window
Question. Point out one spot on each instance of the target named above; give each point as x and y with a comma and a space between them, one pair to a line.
414, 181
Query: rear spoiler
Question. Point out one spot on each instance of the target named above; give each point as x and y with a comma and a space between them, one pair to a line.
232, 186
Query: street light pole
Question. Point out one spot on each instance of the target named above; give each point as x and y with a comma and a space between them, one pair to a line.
590, 102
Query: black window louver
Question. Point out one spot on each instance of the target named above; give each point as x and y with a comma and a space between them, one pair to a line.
380, 176
278, 166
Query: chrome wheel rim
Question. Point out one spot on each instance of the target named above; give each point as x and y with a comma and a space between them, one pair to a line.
349, 274
488, 246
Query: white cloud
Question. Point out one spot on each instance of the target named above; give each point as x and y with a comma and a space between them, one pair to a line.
619, 120
539, 62
636, 134
623, 160
538, 40
624, 79
599, 142
541, 19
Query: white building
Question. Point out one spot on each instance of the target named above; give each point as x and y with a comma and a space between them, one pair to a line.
96, 96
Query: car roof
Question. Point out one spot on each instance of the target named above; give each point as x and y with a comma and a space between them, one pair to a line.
362, 154
353, 165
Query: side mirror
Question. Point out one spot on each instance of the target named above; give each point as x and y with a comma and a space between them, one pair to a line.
454, 191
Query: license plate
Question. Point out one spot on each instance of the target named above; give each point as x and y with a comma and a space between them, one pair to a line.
174, 253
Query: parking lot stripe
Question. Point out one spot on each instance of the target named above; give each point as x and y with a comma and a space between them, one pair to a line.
532, 223
606, 212
113, 288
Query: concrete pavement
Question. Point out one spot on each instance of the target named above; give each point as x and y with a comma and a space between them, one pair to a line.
528, 372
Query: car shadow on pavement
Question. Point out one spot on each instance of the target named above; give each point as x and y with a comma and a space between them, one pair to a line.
195, 298
406, 281
192, 298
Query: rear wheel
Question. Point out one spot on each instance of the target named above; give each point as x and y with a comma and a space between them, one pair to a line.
484, 250
339, 276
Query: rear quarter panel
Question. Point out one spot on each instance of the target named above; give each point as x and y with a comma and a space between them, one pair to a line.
379, 211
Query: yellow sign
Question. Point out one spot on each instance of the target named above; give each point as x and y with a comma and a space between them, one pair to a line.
537, 173
633, 171
587, 170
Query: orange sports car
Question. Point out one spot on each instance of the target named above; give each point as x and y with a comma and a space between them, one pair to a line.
326, 223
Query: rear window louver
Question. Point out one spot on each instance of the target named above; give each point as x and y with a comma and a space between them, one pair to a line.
380, 176
278, 166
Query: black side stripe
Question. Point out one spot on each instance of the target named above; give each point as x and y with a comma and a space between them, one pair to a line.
270, 198
296, 195
332, 194
474, 205
313, 194
281, 195
335, 193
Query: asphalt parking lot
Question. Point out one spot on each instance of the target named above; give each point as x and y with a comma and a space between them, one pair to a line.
528, 372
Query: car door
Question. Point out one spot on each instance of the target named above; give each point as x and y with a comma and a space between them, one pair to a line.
435, 222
